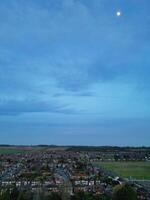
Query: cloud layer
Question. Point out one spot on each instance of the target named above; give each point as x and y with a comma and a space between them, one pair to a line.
75, 57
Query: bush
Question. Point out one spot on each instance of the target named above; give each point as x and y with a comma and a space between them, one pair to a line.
124, 192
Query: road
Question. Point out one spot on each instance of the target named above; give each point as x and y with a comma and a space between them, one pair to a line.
67, 185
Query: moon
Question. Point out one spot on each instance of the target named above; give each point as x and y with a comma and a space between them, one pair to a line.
118, 13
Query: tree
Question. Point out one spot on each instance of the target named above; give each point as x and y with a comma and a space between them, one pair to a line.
88, 196
5, 195
124, 192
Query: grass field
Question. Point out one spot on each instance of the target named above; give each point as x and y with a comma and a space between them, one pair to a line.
137, 170
5, 150
15, 150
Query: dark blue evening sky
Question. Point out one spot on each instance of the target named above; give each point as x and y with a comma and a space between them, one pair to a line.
73, 72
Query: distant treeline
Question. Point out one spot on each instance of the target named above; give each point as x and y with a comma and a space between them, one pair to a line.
84, 148
107, 148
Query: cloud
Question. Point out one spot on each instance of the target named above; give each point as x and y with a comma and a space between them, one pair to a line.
80, 94
73, 64
15, 107
65, 42
62, 48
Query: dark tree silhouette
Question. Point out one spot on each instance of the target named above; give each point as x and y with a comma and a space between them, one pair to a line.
124, 192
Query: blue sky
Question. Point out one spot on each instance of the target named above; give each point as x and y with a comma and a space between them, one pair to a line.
73, 72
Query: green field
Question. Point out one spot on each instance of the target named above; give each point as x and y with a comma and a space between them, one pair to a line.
11, 151
28, 149
136, 170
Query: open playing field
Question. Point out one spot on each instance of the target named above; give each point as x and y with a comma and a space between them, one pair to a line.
137, 170
11, 151
27, 149
15, 149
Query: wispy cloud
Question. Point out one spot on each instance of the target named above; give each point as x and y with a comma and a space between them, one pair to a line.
15, 107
